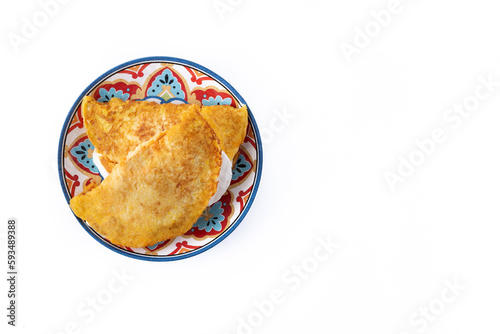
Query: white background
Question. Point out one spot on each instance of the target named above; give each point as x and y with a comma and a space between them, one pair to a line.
323, 172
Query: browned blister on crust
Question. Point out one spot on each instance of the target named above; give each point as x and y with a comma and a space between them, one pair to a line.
162, 188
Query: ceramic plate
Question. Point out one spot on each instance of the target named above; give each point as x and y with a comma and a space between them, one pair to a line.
144, 79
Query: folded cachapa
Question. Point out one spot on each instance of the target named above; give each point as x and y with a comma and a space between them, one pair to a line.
229, 124
118, 127
161, 188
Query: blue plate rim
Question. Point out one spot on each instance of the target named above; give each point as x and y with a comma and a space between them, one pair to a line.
258, 171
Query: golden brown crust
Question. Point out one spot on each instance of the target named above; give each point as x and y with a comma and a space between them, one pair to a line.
107, 164
90, 185
159, 192
117, 127
230, 126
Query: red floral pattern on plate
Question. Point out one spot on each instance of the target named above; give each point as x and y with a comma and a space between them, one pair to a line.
133, 82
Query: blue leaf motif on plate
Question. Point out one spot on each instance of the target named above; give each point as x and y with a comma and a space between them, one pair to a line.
107, 96
211, 219
166, 78
241, 167
217, 101
81, 153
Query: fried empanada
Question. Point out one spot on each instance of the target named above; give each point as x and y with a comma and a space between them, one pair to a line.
116, 128
230, 126
161, 189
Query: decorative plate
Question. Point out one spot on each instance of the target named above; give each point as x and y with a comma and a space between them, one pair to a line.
165, 80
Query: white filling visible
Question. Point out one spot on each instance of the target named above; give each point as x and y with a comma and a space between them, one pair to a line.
97, 162
224, 179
